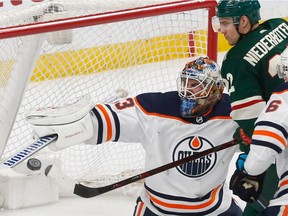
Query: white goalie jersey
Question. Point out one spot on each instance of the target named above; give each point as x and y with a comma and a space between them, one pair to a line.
153, 119
269, 142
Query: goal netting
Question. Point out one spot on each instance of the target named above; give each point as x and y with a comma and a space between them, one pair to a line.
57, 51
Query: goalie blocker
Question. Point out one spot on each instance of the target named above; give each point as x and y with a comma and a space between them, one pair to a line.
73, 123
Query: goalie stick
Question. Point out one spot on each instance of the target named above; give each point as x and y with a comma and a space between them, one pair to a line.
28, 151
87, 192
42, 142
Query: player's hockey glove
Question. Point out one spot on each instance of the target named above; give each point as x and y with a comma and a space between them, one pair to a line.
243, 139
245, 186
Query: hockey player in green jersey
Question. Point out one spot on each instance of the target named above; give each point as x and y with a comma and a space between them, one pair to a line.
249, 70
268, 143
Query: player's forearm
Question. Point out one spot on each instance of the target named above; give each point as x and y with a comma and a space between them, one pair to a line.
259, 159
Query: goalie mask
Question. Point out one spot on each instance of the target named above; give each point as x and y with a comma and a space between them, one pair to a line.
199, 86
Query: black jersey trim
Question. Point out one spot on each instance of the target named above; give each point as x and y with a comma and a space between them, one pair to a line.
100, 126
273, 125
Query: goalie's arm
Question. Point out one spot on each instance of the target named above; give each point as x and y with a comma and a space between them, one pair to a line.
41, 120
91, 124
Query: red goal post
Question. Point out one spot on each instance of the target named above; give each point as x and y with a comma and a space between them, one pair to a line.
120, 15
51, 55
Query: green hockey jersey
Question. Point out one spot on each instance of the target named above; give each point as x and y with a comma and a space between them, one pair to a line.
249, 70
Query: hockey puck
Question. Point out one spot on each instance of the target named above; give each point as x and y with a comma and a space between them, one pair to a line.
34, 164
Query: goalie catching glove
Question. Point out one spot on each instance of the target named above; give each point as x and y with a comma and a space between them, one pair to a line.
245, 186
73, 124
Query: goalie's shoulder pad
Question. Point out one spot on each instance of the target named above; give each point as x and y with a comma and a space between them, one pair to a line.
61, 115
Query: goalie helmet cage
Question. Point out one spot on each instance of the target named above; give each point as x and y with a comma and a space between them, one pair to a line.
56, 51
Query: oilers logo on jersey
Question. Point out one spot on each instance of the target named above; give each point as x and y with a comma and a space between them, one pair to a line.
190, 146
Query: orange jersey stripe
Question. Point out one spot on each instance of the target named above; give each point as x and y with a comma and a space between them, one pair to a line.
270, 134
188, 207
140, 209
281, 92
221, 117
285, 212
108, 121
283, 183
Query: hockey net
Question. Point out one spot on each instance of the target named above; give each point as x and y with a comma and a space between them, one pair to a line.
57, 51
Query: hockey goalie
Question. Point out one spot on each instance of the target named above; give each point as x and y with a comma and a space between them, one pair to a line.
170, 126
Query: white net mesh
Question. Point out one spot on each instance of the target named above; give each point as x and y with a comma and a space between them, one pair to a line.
139, 55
